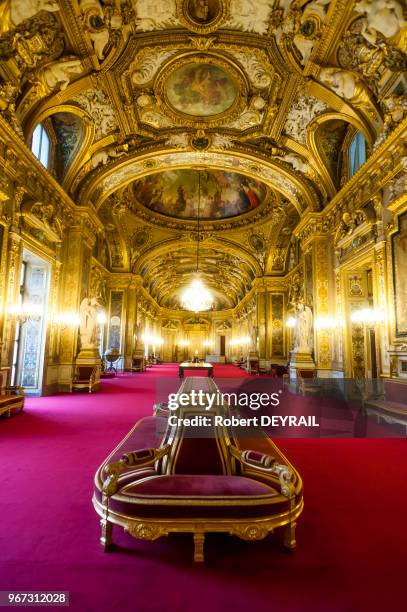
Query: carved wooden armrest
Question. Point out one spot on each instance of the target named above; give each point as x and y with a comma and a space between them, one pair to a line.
16, 388
267, 464
139, 458
252, 458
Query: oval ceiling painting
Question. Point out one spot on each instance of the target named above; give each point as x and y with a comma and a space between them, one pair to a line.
202, 90
222, 194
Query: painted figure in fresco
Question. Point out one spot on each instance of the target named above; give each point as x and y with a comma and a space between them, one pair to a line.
303, 329
244, 198
202, 89
223, 194
199, 10
181, 203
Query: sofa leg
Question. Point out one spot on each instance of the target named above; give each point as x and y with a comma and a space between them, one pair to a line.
287, 536
199, 540
106, 538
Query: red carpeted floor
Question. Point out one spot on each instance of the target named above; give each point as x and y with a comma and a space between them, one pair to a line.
352, 536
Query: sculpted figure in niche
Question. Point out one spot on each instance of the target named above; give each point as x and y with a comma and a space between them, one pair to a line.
105, 155
13, 12
384, 17
96, 25
347, 86
58, 75
88, 323
303, 329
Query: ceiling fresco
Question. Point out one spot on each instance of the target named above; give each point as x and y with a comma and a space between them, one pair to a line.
214, 194
201, 89
261, 96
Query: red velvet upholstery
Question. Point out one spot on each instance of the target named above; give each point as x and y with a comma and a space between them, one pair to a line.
83, 373
179, 496
198, 456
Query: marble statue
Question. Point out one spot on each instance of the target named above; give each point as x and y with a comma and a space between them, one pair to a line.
58, 75
14, 12
105, 155
88, 328
295, 161
382, 16
303, 329
347, 86
342, 82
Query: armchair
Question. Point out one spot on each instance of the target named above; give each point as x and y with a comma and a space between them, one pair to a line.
85, 378
307, 380
138, 364
210, 482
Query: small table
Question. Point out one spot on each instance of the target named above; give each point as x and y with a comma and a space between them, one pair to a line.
189, 365
111, 358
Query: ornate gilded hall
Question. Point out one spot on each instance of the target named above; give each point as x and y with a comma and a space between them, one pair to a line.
216, 188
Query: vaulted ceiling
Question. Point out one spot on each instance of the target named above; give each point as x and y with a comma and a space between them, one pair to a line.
238, 108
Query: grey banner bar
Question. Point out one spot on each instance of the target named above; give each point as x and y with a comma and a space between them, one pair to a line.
34, 598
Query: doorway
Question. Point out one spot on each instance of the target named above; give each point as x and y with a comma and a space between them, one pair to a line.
30, 334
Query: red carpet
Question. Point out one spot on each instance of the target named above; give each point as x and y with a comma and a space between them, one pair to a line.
352, 535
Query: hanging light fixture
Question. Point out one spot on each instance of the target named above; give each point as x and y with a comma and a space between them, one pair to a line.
197, 297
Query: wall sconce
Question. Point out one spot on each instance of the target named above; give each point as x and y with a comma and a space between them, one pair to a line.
368, 316
27, 311
241, 340
184, 343
291, 322
154, 340
326, 322
207, 343
101, 317
67, 318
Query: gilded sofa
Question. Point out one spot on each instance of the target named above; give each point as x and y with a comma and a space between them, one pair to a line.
154, 484
11, 400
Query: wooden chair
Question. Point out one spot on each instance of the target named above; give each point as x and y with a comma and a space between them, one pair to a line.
84, 378
307, 380
253, 366
138, 364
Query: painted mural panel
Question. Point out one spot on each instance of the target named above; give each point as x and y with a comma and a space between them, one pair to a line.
222, 194
400, 276
115, 326
201, 90
203, 11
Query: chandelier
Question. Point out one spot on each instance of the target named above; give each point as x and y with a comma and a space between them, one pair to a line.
197, 297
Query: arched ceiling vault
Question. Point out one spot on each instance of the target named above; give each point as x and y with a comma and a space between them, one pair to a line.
259, 98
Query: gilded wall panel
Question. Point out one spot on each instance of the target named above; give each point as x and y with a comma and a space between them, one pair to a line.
277, 324
399, 244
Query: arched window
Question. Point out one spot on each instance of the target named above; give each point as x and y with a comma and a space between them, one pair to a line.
40, 145
357, 153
